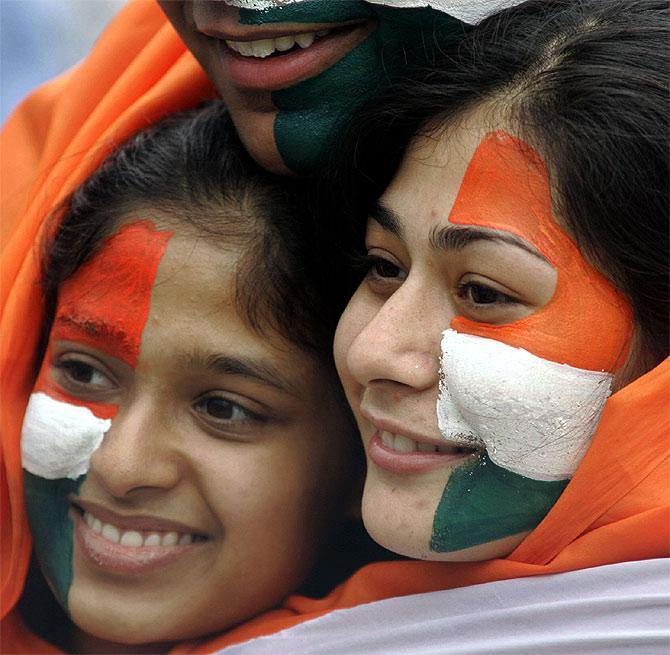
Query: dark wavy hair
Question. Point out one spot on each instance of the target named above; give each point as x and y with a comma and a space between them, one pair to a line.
586, 83
192, 167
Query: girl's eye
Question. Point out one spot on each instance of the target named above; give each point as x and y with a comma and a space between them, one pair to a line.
81, 374
481, 294
220, 410
384, 268
380, 268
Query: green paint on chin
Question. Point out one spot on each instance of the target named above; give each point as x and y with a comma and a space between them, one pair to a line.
52, 528
313, 113
483, 502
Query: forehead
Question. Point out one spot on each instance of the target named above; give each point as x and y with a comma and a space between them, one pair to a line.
470, 175
149, 286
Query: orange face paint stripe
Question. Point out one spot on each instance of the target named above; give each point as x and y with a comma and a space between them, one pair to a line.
105, 304
588, 323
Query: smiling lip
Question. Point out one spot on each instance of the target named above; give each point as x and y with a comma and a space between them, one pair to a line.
103, 544
415, 461
283, 70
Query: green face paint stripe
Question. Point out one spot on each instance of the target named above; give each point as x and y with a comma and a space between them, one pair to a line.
316, 11
52, 528
313, 113
483, 502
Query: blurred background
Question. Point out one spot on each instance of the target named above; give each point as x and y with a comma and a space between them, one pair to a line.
41, 38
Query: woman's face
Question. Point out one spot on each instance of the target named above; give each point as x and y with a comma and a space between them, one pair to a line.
292, 73
478, 351
224, 458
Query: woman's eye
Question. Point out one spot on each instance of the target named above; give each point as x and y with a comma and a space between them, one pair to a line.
221, 410
383, 269
83, 374
475, 293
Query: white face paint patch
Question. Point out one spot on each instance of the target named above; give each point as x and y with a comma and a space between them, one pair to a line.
58, 439
468, 11
534, 417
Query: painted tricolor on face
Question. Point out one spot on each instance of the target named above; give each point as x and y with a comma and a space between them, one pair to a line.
528, 394
102, 307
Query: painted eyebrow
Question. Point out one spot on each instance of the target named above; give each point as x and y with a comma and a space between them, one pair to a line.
92, 327
228, 365
449, 237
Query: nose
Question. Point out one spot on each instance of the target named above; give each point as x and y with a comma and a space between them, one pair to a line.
138, 452
400, 338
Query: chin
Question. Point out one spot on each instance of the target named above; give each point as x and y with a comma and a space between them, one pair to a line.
256, 131
407, 530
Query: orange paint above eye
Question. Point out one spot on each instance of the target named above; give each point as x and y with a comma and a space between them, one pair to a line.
105, 304
588, 323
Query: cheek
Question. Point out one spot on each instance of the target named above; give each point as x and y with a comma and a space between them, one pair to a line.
534, 417
483, 502
353, 321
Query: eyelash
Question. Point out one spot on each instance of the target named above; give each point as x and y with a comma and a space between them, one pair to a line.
69, 367
201, 406
369, 265
465, 288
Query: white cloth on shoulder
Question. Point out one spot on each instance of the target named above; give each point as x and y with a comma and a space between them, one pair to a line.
619, 609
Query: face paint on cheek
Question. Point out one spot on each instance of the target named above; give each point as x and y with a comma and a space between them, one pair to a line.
534, 417
529, 393
483, 502
104, 305
313, 113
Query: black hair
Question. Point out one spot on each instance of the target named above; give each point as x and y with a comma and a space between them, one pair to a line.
586, 83
192, 168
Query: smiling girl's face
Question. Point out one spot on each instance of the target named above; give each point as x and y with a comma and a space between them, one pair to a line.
477, 310
223, 460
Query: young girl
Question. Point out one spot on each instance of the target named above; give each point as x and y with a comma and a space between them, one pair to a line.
186, 450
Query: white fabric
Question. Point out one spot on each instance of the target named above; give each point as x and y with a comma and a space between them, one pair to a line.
58, 439
533, 416
468, 11
621, 609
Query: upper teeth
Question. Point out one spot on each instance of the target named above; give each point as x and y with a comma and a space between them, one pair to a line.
134, 538
266, 47
405, 445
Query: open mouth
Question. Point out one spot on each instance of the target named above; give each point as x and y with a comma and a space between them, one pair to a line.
276, 61
262, 48
136, 537
402, 444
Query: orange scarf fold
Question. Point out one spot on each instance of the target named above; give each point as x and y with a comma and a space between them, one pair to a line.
615, 509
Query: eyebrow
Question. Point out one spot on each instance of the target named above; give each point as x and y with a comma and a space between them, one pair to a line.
92, 327
450, 237
228, 365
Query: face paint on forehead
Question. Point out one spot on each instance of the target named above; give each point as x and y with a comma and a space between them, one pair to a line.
313, 113
104, 305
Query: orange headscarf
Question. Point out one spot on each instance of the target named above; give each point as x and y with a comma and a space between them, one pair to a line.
614, 510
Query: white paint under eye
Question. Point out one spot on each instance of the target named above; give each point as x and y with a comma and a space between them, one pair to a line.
533, 416
468, 11
58, 439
